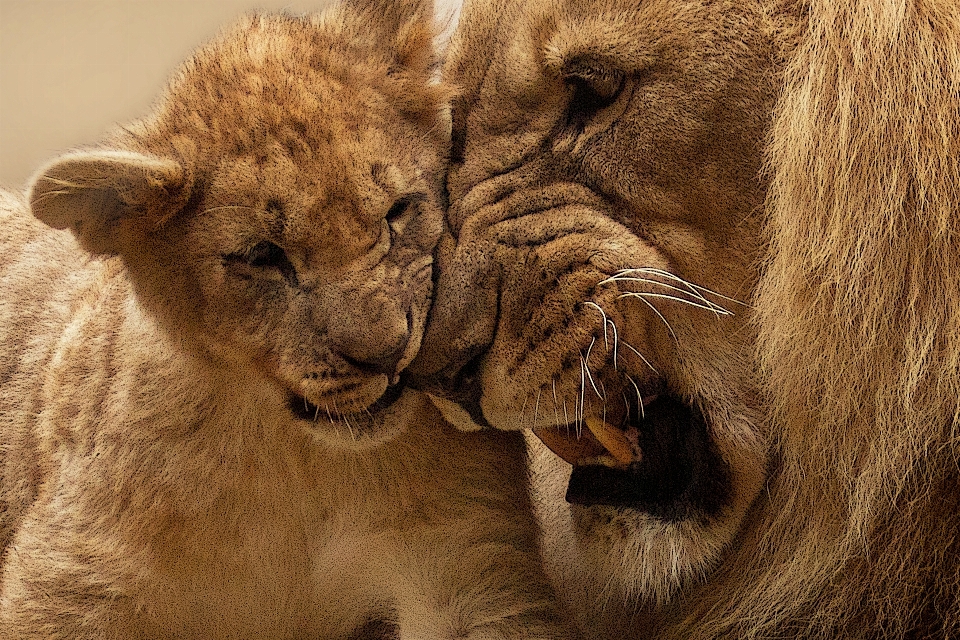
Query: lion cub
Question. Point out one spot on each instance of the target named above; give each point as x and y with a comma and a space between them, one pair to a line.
201, 430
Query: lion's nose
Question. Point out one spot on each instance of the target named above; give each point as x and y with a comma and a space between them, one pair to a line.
371, 337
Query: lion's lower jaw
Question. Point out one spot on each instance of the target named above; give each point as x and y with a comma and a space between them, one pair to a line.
607, 558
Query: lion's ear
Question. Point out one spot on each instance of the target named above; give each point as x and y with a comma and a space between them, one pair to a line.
101, 194
403, 30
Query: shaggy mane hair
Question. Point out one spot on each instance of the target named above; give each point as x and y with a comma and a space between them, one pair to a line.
859, 311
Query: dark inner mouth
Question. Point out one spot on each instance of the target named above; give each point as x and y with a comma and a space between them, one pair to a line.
678, 474
306, 410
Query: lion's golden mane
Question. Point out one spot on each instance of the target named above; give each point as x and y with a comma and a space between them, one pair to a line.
859, 319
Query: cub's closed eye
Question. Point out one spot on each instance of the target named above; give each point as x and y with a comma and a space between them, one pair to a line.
398, 209
267, 254
264, 256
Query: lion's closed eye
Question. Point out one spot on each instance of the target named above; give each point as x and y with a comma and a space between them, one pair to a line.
593, 88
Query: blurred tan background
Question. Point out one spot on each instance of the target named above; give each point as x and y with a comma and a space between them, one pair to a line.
72, 69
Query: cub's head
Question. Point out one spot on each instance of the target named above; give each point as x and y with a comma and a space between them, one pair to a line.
595, 285
278, 209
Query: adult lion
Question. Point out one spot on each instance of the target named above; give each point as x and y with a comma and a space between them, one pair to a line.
723, 237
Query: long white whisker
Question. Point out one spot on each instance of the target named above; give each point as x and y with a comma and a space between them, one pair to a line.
620, 275
226, 206
586, 365
604, 400
614, 325
604, 316
640, 355
659, 283
536, 408
720, 311
657, 311
583, 396
675, 277
639, 397
556, 414
710, 305
523, 409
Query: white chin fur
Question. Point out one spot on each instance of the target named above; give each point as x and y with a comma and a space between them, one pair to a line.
454, 414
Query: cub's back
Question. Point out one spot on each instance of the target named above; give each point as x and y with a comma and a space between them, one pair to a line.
44, 276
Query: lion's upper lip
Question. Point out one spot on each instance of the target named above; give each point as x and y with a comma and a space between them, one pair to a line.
598, 441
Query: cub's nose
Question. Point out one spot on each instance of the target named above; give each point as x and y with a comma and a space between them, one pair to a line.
370, 336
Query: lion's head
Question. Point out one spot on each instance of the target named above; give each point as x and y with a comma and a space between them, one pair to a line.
279, 208
735, 356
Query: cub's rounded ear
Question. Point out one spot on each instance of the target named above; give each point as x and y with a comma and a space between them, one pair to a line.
404, 29
102, 194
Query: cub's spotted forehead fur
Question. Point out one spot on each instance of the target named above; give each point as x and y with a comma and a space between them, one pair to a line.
290, 81
282, 106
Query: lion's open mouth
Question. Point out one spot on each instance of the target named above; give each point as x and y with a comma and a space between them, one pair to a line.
660, 460
303, 409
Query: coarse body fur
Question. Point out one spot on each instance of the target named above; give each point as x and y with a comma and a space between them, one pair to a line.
200, 431
752, 208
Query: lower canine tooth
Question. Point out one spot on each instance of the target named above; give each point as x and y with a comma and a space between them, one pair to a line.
613, 440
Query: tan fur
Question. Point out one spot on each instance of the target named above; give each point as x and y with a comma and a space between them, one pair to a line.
158, 480
832, 395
